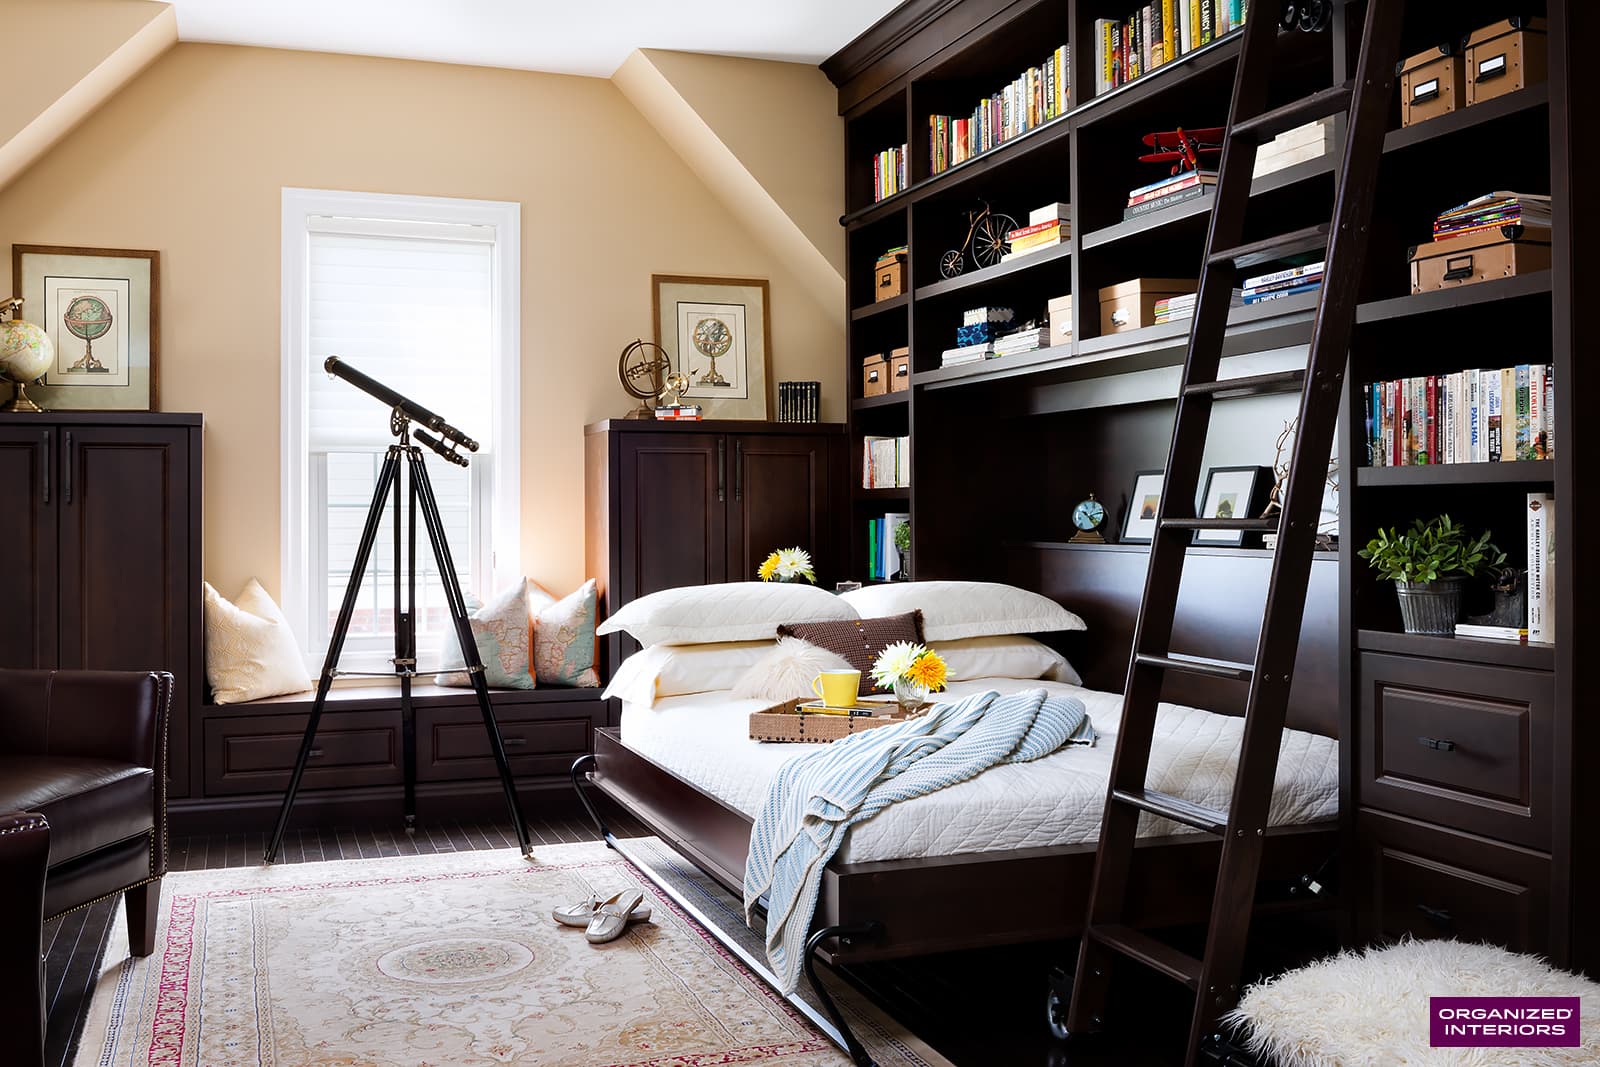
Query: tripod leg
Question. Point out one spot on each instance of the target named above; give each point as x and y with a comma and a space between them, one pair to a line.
422, 489
388, 479
405, 654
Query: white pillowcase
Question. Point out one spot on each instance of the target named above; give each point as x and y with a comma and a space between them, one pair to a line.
250, 651
953, 610
677, 670
1005, 656
787, 671
731, 611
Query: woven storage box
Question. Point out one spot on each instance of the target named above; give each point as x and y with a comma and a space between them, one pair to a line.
785, 722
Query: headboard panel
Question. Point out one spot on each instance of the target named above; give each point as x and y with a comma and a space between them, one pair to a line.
1219, 616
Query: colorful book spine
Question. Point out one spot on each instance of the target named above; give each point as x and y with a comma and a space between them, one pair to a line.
1541, 567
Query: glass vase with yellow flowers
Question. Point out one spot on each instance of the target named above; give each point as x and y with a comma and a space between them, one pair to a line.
787, 565
912, 671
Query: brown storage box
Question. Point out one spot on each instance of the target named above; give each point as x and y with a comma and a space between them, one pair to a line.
890, 278
1505, 57
789, 722
874, 376
899, 370
1060, 310
1131, 305
1432, 84
1476, 257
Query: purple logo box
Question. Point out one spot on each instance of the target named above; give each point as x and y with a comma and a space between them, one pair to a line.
1503, 1022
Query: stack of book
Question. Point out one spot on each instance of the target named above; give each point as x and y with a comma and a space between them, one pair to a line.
1492, 211
1157, 34
1170, 308
1299, 145
679, 413
1541, 617
1164, 192
1291, 281
1018, 341
1047, 227
885, 462
883, 559
980, 325
1471, 416
889, 172
1038, 95
958, 357
799, 401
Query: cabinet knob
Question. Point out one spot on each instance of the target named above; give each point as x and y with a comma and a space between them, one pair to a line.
1438, 744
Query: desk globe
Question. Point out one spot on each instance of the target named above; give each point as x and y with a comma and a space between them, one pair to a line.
26, 353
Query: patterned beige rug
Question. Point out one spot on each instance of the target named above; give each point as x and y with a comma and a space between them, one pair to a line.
442, 961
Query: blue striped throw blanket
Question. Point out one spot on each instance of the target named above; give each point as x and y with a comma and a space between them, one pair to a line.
815, 798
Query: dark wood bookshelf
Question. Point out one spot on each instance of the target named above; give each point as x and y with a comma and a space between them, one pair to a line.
1467, 118
1532, 655
1400, 307
883, 400
1521, 472
882, 307
945, 286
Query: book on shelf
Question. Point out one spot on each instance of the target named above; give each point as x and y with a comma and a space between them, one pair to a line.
799, 401
1469, 416
1541, 567
1497, 633
1277, 293
1171, 183
883, 558
957, 357
1056, 212
1492, 211
679, 413
1157, 34
1036, 96
1170, 308
889, 173
1019, 341
885, 462
1193, 192
1299, 145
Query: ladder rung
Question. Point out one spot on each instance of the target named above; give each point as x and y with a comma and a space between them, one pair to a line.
1274, 248
1177, 809
1268, 525
1267, 125
1143, 948
1210, 668
1281, 381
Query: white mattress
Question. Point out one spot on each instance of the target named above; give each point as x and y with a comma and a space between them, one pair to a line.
1058, 800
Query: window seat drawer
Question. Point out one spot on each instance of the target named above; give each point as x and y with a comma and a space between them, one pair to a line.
452, 744
256, 753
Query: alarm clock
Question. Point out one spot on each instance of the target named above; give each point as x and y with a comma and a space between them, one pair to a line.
1088, 517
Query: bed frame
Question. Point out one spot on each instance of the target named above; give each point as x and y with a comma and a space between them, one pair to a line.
891, 909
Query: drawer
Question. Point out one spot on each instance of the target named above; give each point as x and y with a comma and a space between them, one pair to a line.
1427, 882
255, 754
1459, 744
452, 744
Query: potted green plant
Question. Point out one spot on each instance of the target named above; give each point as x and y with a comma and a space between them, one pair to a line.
1429, 564
902, 544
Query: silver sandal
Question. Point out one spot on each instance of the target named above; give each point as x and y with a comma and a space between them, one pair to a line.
612, 917
580, 913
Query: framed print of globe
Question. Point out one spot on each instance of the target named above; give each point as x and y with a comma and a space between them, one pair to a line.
717, 334
99, 308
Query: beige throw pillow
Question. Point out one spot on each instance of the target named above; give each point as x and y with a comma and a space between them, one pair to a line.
250, 651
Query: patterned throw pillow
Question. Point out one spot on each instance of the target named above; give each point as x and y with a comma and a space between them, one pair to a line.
502, 630
563, 637
250, 651
859, 640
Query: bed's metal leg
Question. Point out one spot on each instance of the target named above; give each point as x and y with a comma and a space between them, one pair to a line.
858, 1053
580, 770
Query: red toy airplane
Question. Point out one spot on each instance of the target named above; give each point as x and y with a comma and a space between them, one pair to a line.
1184, 146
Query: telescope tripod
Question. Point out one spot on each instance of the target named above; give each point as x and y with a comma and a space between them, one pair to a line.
420, 496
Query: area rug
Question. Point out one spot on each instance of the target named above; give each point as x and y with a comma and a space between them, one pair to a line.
442, 961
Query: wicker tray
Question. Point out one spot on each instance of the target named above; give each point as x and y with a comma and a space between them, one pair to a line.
790, 722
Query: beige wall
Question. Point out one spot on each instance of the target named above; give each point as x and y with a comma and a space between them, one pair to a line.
190, 159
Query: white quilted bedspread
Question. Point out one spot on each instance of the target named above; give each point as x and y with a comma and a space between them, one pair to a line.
1058, 800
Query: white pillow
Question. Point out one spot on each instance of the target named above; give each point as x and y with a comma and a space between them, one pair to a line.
787, 671
732, 611
250, 651
953, 610
677, 670
1005, 656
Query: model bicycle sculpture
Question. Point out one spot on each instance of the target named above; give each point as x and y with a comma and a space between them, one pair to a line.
985, 240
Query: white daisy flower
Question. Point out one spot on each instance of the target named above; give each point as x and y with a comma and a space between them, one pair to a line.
894, 661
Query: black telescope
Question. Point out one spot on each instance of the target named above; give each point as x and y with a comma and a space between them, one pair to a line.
409, 408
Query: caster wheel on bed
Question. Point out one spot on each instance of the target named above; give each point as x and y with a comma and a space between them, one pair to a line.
1058, 1002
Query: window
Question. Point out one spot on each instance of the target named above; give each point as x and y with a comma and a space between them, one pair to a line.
420, 293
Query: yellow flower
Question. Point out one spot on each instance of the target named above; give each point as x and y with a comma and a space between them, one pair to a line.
929, 670
768, 568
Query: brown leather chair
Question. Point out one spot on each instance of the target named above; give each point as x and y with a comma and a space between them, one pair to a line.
83, 774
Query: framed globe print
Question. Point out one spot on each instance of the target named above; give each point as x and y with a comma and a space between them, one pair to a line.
101, 309
717, 332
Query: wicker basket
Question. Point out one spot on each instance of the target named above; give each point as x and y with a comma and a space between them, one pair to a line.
786, 722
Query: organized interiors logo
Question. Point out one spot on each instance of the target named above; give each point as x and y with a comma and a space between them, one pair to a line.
1503, 1022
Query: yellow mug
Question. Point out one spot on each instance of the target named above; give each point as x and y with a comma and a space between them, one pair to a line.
837, 689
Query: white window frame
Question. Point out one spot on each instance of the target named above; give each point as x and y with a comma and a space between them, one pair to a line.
498, 556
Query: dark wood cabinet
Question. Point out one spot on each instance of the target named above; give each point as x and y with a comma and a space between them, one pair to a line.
688, 504
100, 514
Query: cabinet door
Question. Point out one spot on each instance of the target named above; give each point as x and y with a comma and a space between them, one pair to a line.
124, 570
673, 526
28, 502
779, 499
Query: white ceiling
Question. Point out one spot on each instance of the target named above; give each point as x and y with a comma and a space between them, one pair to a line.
565, 36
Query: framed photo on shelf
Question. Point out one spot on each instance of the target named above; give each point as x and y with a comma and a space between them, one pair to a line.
719, 335
1233, 493
1144, 504
101, 308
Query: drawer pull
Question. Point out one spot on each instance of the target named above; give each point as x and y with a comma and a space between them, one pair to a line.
1436, 743
515, 741
1440, 917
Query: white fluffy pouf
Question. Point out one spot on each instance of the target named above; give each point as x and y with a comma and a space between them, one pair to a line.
1370, 1009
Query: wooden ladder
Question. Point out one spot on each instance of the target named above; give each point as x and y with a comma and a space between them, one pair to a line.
1366, 98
